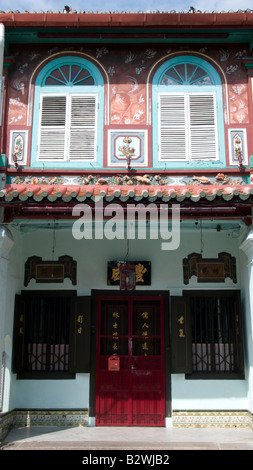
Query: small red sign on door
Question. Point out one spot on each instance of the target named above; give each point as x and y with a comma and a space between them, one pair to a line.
113, 363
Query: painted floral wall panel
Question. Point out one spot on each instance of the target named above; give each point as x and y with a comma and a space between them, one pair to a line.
128, 102
238, 103
17, 110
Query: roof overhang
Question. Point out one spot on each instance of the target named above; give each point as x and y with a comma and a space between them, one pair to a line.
119, 20
173, 27
22, 200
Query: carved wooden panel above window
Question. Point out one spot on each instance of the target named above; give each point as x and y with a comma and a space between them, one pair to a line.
50, 271
209, 270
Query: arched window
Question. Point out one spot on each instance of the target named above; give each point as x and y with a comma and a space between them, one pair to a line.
68, 114
187, 105
70, 74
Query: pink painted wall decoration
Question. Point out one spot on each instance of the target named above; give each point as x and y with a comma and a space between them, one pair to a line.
127, 69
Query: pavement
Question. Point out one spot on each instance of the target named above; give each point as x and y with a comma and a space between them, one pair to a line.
87, 439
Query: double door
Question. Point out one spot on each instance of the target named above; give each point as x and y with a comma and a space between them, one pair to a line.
130, 388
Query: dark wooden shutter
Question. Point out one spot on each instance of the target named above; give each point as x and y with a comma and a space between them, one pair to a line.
18, 334
239, 334
80, 335
181, 356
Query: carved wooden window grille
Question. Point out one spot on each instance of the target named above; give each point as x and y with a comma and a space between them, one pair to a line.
46, 334
215, 331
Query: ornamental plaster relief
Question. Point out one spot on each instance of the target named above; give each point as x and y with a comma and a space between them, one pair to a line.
128, 71
238, 103
128, 102
147, 180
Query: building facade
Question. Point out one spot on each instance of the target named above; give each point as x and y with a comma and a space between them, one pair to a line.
126, 218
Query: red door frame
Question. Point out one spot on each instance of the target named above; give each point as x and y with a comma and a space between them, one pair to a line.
127, 390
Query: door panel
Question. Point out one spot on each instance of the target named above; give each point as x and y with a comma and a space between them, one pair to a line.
132, 329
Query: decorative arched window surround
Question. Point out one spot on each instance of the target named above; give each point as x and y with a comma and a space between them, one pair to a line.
68, 115
188, 109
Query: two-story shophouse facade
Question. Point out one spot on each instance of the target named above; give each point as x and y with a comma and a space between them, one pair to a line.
126, 218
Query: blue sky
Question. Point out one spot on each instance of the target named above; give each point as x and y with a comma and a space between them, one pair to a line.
126, 5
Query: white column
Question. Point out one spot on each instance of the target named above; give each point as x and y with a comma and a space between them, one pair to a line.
2, 34
6, 243
247, 247
2, 39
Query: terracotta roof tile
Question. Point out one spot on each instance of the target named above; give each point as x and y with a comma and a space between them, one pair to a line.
114, 19
16, 193
116, 12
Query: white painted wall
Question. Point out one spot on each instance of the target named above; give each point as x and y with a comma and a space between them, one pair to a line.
65, 394
246, 267
208, 394
167, 274
92, 257
10, 269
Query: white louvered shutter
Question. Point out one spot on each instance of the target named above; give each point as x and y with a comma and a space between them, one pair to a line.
52, 130
172, 127
202, 126
82, 138
68, 127
187, 126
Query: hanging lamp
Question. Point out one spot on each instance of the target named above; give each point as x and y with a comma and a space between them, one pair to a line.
127, 273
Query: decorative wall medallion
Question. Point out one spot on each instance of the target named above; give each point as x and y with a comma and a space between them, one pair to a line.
124, 145
209, 270
18, 148
50, 271
142, 273
237, 146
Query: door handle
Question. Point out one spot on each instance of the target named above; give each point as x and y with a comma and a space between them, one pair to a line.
133, 368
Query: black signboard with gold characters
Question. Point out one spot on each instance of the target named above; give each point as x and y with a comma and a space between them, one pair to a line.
142, 273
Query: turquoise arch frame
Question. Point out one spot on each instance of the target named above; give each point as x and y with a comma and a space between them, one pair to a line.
97, 88
216, 87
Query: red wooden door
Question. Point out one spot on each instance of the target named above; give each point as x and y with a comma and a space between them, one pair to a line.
132, 329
